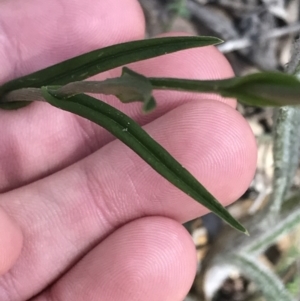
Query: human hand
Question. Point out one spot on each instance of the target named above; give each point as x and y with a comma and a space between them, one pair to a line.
82, 216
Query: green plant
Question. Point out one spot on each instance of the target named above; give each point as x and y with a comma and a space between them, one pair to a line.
178, 7
61, 85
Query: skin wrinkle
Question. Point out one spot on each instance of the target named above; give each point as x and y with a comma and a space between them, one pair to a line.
8, 287
110, 213
139, 202
85, 208
97, 196
116, 207
85, 129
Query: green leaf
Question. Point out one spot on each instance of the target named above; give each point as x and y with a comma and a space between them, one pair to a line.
261, 89
130, 133
92, 63
270, 285
294, 286
179, 7
284, 225
286, 154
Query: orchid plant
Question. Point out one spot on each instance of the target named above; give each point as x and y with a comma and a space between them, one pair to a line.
66, 87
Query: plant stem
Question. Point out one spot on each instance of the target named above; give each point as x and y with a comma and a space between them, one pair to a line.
286, 150
24, 94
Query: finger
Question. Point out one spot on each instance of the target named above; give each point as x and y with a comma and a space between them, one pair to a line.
54, 139
84, 203
43, 33
152, 258
11, 240
39, 139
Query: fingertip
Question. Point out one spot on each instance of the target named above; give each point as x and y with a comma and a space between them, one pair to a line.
11, 241
151, 258
226, 149
215, 143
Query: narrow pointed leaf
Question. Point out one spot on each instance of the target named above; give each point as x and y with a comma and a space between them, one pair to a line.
266, 239
286, 154
92, 63
130, 133
270, 285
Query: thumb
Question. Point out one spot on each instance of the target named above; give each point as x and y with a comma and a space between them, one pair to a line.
11, 240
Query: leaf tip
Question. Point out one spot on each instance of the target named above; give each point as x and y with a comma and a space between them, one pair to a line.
242, 229
149, 105
219, 41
